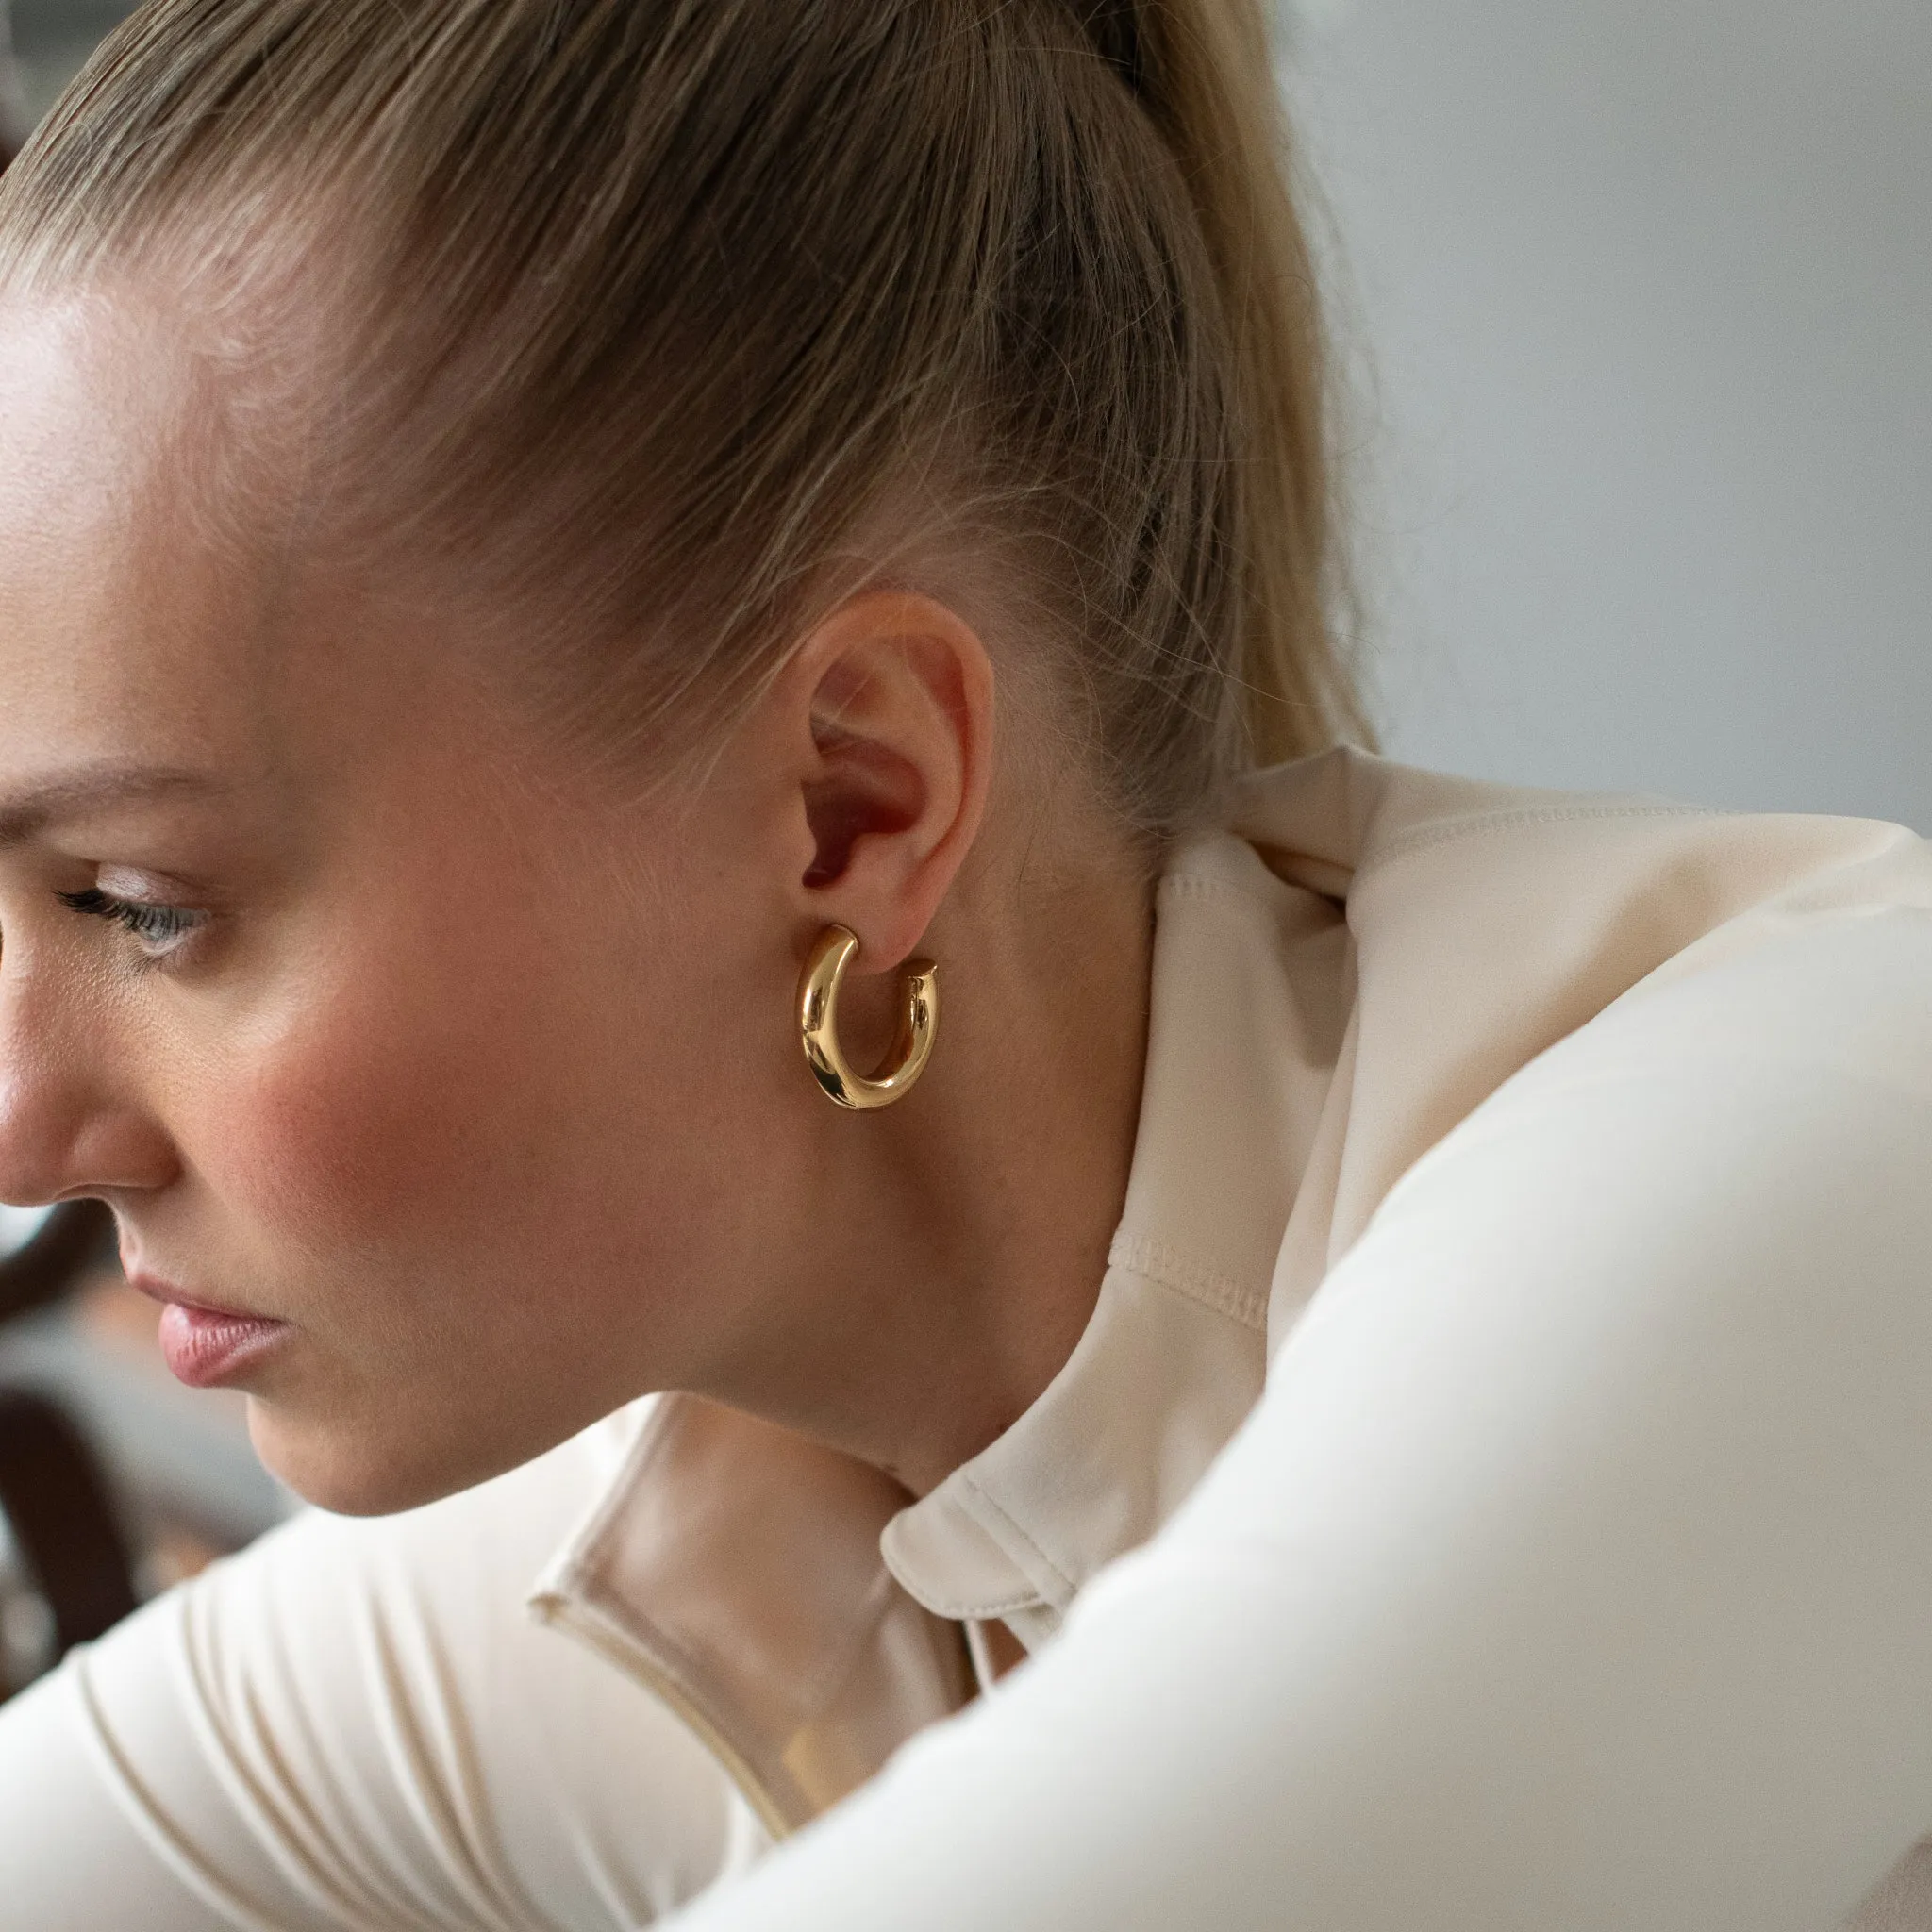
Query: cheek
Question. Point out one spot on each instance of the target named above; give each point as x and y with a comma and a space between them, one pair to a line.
437, 1125
496, 1211
382, 1122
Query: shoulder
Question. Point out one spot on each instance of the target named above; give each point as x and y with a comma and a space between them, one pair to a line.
1389, 836
1502, 911
1487, 923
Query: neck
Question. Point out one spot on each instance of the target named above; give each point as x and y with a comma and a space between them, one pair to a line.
959, 1239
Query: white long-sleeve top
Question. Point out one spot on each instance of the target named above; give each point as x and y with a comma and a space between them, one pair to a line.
1494, 1488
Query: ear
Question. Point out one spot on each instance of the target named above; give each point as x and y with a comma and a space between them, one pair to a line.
890, 701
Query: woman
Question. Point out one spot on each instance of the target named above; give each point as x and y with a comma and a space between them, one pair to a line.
1359, 1359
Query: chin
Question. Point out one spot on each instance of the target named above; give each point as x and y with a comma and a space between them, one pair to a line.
358, 1469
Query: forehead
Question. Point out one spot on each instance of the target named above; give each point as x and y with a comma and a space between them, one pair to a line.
167, 601
101, 399
132, 592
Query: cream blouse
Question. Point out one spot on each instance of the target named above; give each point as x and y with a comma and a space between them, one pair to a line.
1494, 1488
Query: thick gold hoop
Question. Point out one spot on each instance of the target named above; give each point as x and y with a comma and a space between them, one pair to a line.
818, 1022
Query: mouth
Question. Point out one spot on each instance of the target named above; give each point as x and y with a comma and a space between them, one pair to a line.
204, 1343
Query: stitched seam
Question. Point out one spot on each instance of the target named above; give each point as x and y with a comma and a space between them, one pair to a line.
1253, 903
1187, 885
958, 1611
1164, 1267
1195, 885
956, 1606
1048, 1562
1425, 838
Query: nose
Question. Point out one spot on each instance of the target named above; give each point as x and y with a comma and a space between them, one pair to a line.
70, 1120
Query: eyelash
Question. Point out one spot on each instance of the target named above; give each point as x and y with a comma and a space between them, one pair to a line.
157, 928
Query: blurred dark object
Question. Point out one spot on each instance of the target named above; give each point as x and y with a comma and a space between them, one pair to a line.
76, 1237
64, 1520
52, 40
12, 94
63, 1527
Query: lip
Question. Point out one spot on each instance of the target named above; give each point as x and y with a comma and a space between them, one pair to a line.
205, 1345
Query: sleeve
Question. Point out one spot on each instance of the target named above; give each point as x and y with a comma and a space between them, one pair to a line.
1575, 1572
356, 1724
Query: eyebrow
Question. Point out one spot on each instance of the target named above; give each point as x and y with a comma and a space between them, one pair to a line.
26, 814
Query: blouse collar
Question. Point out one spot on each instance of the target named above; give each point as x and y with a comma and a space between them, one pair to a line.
1247, 1006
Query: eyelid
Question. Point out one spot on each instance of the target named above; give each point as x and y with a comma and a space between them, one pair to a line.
139, 887
158, 929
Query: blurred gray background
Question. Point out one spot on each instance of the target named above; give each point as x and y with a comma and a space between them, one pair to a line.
1644, 293
1638, 304
52, 38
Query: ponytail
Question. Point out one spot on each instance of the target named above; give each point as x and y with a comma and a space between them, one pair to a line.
1202, 70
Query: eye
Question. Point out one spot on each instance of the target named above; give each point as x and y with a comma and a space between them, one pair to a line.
158, 930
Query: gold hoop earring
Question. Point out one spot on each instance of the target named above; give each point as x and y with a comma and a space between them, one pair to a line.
818, 1024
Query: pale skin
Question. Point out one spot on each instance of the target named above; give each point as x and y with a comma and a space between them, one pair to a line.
481, 1071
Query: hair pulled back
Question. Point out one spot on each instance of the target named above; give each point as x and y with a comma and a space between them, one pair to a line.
665, 298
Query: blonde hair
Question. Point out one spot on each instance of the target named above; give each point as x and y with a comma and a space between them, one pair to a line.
666, 298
